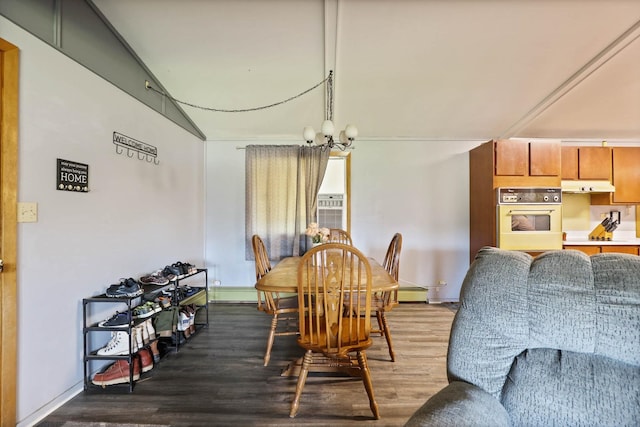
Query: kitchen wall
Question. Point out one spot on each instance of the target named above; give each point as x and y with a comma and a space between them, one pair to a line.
136, 218
579, 217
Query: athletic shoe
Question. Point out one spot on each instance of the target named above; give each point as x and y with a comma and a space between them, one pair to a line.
118, 320
126, 288
168, 273
147, 309
155, 278
119, 344
117, 373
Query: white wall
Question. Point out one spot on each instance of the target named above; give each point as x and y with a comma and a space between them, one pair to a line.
137, 217
416, 187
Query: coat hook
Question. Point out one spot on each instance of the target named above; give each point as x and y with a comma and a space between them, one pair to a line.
119, 149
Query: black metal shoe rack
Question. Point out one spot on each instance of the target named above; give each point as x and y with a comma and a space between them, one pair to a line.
90, 354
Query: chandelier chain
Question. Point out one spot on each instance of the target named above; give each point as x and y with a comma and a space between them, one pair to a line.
329, 112
328, 80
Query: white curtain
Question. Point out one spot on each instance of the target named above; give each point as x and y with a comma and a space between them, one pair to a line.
282, 183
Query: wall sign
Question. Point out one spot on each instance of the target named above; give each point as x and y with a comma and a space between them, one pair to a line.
132, 146
72, 176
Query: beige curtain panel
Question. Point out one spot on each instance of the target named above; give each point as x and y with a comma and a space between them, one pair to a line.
282, 183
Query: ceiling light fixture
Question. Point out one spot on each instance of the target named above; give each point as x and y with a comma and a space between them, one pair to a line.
325, 136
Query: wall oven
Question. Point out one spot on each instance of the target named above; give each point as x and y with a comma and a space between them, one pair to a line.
529, 219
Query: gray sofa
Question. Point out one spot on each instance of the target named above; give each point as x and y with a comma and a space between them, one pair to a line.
546, 341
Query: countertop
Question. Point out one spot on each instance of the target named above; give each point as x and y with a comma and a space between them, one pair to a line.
620, 238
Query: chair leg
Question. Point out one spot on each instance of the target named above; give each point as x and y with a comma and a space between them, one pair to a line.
381, 324
387, 333
272, 335
302, 378
368, 385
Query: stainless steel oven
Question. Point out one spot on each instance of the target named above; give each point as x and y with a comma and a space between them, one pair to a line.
529, 219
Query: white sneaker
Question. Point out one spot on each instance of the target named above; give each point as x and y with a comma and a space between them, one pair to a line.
119, 344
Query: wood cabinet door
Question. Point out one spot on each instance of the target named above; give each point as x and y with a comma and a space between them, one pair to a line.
626, 174
544, 158
569, 168
587, 249
594, 162
633, 250
511, 157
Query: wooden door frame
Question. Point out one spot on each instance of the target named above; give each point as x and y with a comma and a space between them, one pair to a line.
9, 66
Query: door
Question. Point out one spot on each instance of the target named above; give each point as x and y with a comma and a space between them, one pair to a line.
9, 61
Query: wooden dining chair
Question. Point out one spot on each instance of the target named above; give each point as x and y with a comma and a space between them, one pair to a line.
384, 301
328, 275
337, 235
273, 303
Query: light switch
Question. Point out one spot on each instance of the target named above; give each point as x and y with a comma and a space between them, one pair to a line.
27, 212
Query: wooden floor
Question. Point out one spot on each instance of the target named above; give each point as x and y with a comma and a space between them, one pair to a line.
218, 378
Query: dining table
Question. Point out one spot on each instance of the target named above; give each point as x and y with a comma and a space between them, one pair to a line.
283, 278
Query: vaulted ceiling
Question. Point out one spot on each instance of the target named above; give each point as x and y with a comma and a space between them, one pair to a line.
429, 69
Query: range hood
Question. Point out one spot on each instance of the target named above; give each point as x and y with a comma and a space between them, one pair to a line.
587, 187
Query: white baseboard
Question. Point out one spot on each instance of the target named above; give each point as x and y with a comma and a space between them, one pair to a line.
47, 409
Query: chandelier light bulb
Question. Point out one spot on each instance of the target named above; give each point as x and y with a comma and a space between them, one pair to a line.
351, 132
309, 134
327, 128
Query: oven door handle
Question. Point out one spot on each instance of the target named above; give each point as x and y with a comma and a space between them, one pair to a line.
529, 211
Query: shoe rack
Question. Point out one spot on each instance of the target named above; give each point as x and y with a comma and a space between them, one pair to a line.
91, 330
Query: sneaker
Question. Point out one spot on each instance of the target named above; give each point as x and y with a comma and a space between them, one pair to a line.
119, 344
146, 360
118, 320
126, 288
175, 270
117, 373
168, 273
155, 278
147, 309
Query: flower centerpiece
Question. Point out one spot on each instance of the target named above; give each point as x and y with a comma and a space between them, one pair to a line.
318, 235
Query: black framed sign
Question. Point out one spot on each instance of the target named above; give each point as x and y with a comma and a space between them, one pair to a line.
72, 176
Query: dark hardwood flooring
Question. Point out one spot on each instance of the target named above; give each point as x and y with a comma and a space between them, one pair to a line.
218, 379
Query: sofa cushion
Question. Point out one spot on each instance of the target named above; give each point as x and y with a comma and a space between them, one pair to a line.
553, 387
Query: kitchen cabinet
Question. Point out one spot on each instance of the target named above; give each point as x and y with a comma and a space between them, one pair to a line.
633, 250
626, 178
505, 163
587, 249
596, 249
523, 158
588, 163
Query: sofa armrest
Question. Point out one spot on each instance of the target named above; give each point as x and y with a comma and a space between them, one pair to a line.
460, 404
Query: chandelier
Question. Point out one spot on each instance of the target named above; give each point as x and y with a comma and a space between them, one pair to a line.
325, 136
